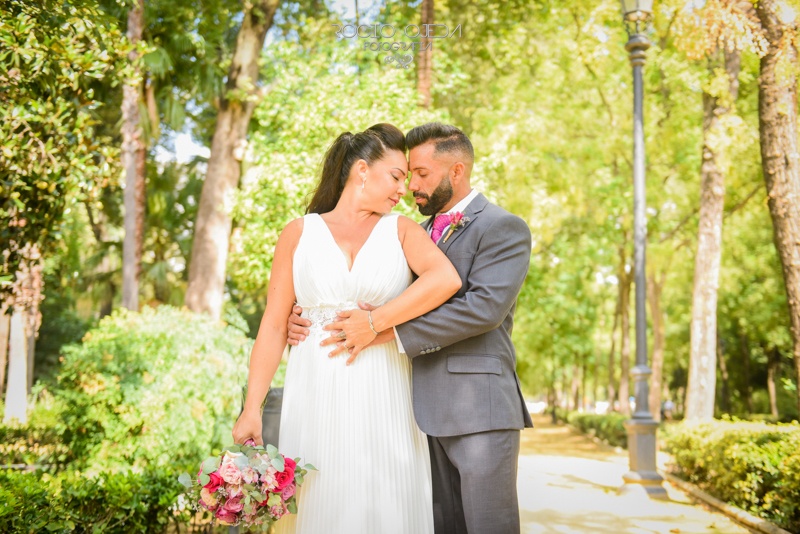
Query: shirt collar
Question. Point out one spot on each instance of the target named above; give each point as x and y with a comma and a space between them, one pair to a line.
462, 205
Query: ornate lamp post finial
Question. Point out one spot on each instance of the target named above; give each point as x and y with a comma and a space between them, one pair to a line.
636, 15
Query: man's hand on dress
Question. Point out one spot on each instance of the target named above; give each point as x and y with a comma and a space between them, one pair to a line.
298, 327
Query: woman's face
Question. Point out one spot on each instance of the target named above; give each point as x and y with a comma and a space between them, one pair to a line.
385, 182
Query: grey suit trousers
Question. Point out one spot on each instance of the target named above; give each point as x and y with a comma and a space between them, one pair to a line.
474, 483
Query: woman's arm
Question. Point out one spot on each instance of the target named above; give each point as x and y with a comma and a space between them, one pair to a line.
271, 339
437, 281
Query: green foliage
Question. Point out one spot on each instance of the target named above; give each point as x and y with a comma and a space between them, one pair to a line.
62, 327
754, 466
41, 442
52, 55
608, 427
33, 445
309, 104
544, 91
157, 388
72, 502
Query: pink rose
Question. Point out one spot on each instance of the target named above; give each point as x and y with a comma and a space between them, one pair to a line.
282, 480
214, 482
229, 472
285, 477
289, 464
287, 492
234, 506
225, 517
457, 216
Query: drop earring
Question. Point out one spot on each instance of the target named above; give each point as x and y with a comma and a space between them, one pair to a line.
363, 182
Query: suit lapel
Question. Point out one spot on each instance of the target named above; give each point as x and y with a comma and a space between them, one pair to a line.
473, 210
426, 224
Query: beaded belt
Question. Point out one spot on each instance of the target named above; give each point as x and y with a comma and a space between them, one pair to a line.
325, 314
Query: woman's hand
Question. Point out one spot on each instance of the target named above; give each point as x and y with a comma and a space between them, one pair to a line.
248, 426
355, 326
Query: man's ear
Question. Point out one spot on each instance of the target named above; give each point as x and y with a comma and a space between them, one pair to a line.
457, 173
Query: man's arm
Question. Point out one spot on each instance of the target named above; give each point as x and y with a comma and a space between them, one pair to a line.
498, 271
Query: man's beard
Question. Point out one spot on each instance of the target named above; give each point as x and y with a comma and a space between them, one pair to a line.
438, 199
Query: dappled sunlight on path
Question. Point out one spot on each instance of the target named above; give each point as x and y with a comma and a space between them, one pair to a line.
567, 483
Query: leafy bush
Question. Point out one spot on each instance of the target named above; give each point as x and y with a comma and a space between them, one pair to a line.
156, 388
69, 502
609, 427
754, 466
32, 446
41, 441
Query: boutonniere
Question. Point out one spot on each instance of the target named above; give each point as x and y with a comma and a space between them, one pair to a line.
458, 221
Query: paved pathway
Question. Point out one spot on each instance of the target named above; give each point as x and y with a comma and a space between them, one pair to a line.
568, 484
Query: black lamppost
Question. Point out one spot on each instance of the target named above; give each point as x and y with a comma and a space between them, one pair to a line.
643, 474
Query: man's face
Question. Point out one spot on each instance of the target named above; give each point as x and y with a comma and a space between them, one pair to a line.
430, 181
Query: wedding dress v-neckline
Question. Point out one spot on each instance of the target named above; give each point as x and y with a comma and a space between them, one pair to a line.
351, 267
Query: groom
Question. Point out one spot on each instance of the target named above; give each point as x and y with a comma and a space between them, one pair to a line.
466, 393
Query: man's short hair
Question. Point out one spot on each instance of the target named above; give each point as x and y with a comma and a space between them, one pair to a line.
445, 138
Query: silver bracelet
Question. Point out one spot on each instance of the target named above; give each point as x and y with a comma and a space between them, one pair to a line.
369, 316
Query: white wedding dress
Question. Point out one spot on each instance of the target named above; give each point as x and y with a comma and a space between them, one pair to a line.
354, 423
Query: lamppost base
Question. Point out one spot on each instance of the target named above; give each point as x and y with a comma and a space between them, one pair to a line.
646, 484
643, 476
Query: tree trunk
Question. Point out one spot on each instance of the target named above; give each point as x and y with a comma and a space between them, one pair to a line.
133, 161
703, 346
425, 55
654, 289
725, 391
773, 365
595, 379
5, 325
213, 225
745, 350
777, 117
30, 345
625, 280
17, 393
575, 388
612, 386
584, 394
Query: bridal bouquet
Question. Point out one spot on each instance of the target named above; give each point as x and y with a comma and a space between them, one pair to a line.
246, 485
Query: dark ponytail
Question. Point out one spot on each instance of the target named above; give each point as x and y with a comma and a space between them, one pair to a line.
370, 145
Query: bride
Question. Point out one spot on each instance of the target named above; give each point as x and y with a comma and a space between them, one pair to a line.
351, 416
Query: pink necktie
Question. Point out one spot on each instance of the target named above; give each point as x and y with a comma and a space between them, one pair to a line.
439, 224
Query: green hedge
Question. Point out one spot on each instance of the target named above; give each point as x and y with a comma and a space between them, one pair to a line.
33, 445
608, 427
151, 393
71, 502
160, 388
754, 466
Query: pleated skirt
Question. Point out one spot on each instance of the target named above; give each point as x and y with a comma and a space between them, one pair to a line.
356, 425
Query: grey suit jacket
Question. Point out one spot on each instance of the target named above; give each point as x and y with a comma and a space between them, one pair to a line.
463, 361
